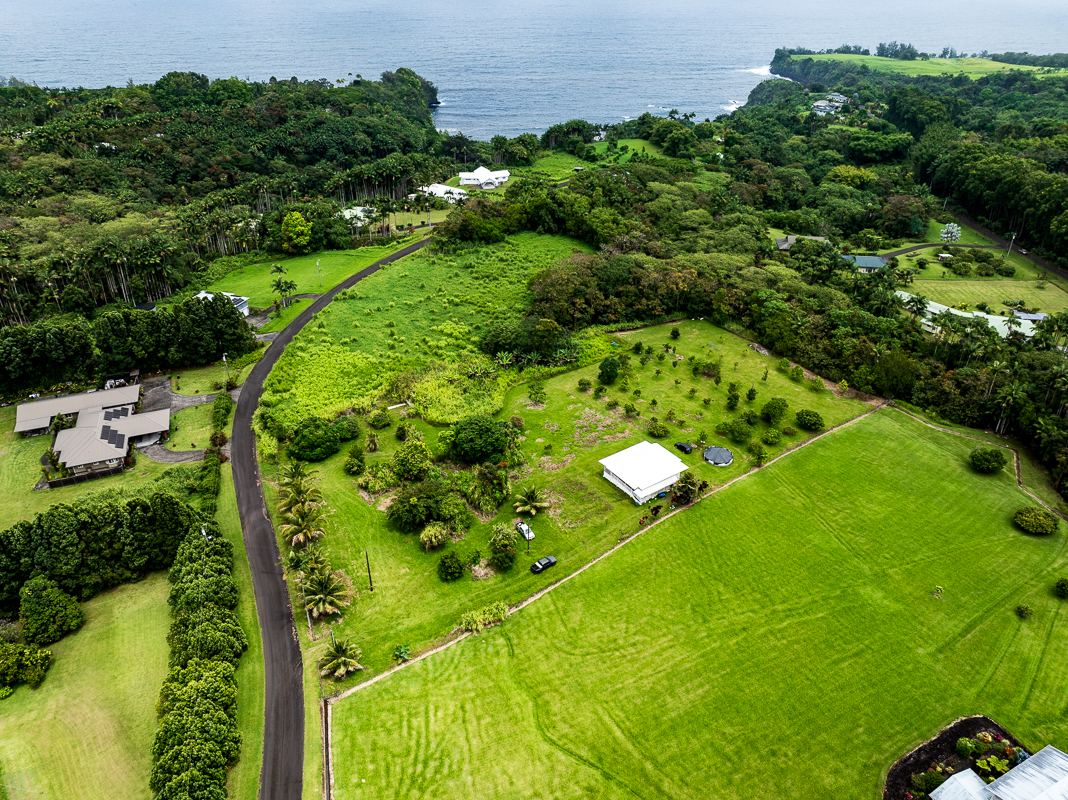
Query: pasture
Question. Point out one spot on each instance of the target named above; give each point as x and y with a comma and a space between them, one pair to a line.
780, 639
972, 67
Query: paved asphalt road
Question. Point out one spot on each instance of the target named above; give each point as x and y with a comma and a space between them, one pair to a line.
283, 735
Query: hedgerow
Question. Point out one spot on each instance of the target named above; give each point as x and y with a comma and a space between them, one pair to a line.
478, 620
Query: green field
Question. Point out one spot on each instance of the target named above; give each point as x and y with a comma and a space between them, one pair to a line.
421, 309
972, 67
210, 377
633, 146
778, 640
191, 428
992, 292
87, 731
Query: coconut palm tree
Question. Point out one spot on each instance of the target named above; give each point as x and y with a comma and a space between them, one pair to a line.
916, 305
324, 594
298, 492
295, 471
302, 524
530, 501
341, 658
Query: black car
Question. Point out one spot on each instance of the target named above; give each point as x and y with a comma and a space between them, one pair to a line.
685, 447
543, 564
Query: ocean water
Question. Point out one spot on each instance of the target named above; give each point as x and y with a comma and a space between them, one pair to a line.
500, 67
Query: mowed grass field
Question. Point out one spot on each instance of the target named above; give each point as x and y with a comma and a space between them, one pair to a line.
992, 292
972, 67
87, 731
780, 639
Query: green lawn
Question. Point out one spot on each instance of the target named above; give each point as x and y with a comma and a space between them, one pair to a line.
244, 778
557, 164
972, 67
254, 281
20, 469
191, 428
209, 378
778, 640
633, 146
992, 292
87, 731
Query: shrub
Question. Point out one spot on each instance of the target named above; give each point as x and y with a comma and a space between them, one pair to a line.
638, 349
536, 393
1024, 612
750, 416
411, 461
600, 392
609, 371
784, 364
675, 333
450, 567
354, 462
377, 478
1060, 588
612, 403
406, 430
372, 442
687, 488
1005, 270
434, 535
789, 430
517, 422
759, 453
657, 429
480, 438
751, 395
314, 440
928, 781
46, 612
774, 410
966, 747
631, 410
380, 419
23, 663
797, 373
348, 427
503, 560
732, 400
10, 631
739, 431
482, 618
707, 401
771, 437
809, 420
584, 384
1036, 520
220, 411
988, 459
817, 384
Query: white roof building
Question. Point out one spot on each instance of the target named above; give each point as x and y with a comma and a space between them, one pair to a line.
359, 214
1044, 776
998, 323
643, 471
450, 193
240, 303
484, 178
37, 416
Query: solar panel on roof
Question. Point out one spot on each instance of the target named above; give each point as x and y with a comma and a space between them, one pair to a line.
107, 416
112, 436
105, 432
120, 441
124, 411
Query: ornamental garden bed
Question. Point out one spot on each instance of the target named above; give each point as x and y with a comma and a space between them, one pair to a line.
991, 752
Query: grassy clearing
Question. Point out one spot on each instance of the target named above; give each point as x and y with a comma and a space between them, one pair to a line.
972, 67
410, 605
254, 281
558, 165
633, 146
87, 731
244, 778
809, 586
992, 292
191, 428
20, 469
421, 309
209, 378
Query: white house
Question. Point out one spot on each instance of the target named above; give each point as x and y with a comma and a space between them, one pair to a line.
484, 178
643, 471
450, 193
240, 303
1044, 776
997, 322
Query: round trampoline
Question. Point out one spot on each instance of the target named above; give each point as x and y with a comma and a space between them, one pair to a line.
719, 456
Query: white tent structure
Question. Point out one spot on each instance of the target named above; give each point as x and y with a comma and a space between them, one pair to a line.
1044, 776
484, 178
643, 471
450, 193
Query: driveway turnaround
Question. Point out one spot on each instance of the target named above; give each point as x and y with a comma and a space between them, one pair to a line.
282, 773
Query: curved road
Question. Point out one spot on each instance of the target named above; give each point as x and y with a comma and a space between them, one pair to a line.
281, 776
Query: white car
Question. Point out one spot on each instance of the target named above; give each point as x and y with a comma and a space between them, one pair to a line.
524, 530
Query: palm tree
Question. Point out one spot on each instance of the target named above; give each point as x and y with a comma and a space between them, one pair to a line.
293, 472
917, 306
325, 593
299, 492
1009, 397
531, 500
302, 524
996, 368
340, 658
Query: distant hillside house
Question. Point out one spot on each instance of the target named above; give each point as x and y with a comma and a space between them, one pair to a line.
240, 303
484, 178
450, 193
105, 426
787, 242
1044, 776
866, 264
1000, 324
643, 471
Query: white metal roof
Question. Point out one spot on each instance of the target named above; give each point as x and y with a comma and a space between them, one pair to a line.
481, 174
236, 299
441, 190
962, 786
643, 465
1027, 328
1043, 776
39, 414
89, 442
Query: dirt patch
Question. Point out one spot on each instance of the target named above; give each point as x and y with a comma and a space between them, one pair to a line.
366, 497
535, 406
942, 750
551, 426
385, 501
482, 570
546, 463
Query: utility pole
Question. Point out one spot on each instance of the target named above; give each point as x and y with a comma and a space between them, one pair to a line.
1010, 245
368, 558
320, 273
227, 365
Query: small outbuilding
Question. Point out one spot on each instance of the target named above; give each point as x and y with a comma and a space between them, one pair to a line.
240, 303
643, 471
449, 193
866, 264
718, 456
